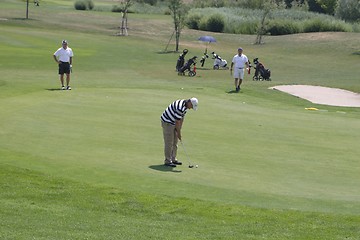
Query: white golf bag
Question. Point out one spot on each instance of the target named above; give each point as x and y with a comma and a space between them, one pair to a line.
219, 62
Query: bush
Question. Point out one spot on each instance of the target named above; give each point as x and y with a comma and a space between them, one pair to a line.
215, 23
319, 25
80, 5
116, 8
279, 22
203, 24
150, 2
84, 5
193, 21
281, 27
90, 4
208, 3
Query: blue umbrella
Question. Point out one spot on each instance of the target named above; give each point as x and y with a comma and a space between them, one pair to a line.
208, 39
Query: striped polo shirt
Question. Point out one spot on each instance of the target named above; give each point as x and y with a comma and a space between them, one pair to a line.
175, 111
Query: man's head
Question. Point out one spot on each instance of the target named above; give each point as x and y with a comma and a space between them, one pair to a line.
240, 50
192, 103
64, 44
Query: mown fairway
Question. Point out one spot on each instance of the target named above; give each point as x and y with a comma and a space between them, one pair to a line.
87, 163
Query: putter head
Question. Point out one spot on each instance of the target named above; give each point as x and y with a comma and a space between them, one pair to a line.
191, 166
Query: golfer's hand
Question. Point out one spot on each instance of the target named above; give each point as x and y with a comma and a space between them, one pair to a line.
178, 135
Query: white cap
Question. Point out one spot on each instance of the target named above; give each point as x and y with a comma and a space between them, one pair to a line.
194, 103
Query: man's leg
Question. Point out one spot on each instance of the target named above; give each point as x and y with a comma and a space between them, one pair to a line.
241, 77
62, 80
236, 83
68, 81
168, 133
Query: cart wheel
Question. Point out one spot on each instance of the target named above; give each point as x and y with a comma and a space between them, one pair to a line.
216, 67
192, 73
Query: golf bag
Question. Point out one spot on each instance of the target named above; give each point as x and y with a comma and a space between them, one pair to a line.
181, 60
190, 67
203, 58
261, 73
219, 62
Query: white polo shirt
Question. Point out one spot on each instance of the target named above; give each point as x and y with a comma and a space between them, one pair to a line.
239, 61
64, 55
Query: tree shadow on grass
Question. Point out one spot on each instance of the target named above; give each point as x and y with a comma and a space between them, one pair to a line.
164, 168
54, 89
166, 52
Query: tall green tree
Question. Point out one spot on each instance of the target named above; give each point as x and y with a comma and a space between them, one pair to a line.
179, 12
328, 6
348, 10
323, 6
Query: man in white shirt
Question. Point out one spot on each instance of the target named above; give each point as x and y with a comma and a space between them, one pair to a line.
63, 57
239, 62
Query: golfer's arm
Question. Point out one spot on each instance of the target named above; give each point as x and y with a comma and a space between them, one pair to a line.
178, 125
232, 64
70, 60
55, 59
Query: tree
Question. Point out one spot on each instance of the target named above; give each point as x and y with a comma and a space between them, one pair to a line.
348, 10
267, 6
125, 5
178, 12
328, 6
262, 27
27, 9
322, 6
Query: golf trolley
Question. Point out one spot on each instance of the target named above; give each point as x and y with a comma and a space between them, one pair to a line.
189, 67
181, 60
261, 73
219, 63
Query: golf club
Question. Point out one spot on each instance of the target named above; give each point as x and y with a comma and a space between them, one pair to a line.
190, 165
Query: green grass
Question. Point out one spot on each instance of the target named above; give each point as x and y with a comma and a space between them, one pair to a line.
87, 163
43, 207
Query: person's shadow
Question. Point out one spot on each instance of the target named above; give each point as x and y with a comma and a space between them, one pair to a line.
164, 168
232, 91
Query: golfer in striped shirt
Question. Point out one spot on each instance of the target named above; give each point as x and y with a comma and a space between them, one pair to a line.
171, 122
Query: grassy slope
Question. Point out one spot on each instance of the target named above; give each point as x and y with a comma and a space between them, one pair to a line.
258, 148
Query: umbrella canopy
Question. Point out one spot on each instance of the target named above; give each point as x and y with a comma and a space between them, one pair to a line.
208, 39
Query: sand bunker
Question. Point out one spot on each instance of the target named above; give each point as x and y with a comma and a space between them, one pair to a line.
322, 95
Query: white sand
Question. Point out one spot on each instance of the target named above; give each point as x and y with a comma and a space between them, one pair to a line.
322, 95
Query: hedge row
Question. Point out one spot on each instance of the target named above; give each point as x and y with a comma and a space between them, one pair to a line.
279, 22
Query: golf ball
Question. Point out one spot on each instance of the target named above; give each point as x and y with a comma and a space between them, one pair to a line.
196, 166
